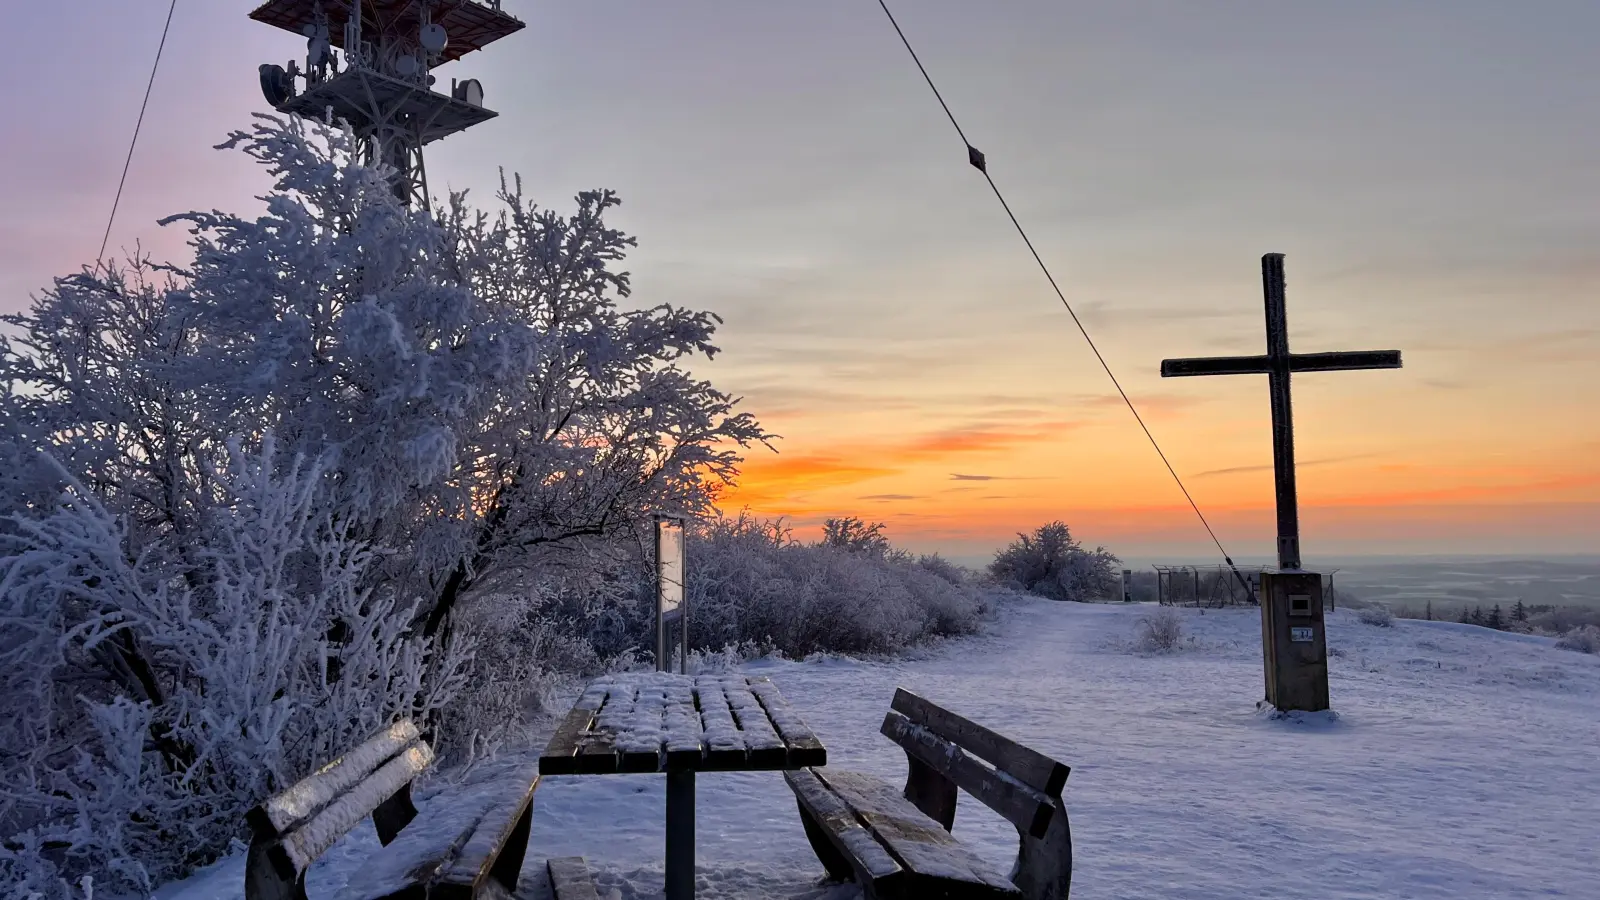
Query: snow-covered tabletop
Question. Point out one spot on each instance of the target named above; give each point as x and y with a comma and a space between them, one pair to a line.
661, 722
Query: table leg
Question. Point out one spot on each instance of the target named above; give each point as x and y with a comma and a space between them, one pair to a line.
680, 836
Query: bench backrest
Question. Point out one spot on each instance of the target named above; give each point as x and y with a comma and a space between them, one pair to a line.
291, 830
947, 751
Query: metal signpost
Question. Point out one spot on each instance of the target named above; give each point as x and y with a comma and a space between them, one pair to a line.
1294, 646
671, 603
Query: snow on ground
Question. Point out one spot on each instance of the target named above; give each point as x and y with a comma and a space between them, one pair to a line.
1464, 763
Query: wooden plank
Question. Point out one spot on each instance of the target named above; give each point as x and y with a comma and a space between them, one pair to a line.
309, 795
1030, 767
684, 745
493, 835
559, 757
407, 867
646, 719
570, 879
804, 748
1028, 809
1215, 365
724, 747
765, 749
309, 840
868, 857
942, 865
1344, 360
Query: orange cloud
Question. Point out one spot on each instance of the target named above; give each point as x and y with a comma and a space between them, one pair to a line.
778, 481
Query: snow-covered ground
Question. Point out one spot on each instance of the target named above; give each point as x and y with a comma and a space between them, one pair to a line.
1464, 763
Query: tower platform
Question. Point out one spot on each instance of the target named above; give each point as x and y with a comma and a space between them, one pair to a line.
472, 24
380, 101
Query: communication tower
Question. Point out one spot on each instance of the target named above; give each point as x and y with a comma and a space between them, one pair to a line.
371, 62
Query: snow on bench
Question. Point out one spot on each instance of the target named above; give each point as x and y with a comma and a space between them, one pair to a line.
661, 721
471, 846
899, 844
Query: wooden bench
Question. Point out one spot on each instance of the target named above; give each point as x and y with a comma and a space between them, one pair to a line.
472, 848
898, 845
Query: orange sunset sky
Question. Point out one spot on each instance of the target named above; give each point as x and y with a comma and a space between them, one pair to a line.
1428, 168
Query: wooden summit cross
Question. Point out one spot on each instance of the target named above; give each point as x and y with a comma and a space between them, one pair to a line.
1297, 676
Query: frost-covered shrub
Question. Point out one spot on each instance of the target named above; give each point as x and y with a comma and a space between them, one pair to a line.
1160, 632
944, 568
855, 535
750, 581
1051, 564
1376, 614
150, 693
1583, 639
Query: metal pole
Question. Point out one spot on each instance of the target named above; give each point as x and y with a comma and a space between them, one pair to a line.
661, 621
680, 835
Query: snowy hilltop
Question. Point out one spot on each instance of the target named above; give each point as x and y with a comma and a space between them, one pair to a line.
1460, 764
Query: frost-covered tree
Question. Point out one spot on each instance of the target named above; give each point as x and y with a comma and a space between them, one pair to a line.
855, 535
1051, 564
243, 496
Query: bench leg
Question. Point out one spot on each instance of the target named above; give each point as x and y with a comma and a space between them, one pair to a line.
508, 865
265, 881
680, 836
1044, 865
838, 867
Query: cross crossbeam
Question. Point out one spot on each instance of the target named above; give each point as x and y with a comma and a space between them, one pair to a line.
1278, 364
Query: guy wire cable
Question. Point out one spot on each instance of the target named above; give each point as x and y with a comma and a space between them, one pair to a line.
121, 182
975, 158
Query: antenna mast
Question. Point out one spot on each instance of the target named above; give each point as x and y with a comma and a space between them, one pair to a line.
384, 87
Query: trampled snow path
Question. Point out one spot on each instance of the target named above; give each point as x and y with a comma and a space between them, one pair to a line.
1465, 763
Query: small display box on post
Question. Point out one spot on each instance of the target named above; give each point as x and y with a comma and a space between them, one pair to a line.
1295, 640
671, 600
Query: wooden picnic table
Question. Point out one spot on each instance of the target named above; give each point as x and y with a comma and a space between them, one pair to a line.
680, 725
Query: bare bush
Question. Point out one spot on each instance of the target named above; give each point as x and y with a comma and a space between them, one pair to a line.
1376, 615
1584, 639
1161, 631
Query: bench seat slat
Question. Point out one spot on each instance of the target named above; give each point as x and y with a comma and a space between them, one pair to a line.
916, 841
452, 849
866, 855
1024, 807
418, 855
1028, 766
493, 832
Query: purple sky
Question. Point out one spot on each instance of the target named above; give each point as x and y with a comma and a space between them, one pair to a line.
1429, 168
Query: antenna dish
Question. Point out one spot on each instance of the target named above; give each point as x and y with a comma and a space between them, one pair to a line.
407, 66
276, 85
433, 38
469, 91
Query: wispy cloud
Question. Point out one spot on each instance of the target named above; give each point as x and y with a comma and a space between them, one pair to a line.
1299, 464
884, 498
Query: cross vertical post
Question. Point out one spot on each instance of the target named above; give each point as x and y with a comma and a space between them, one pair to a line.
1293, 643
1272, 285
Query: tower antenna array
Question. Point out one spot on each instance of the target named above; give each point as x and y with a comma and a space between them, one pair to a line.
371, 63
